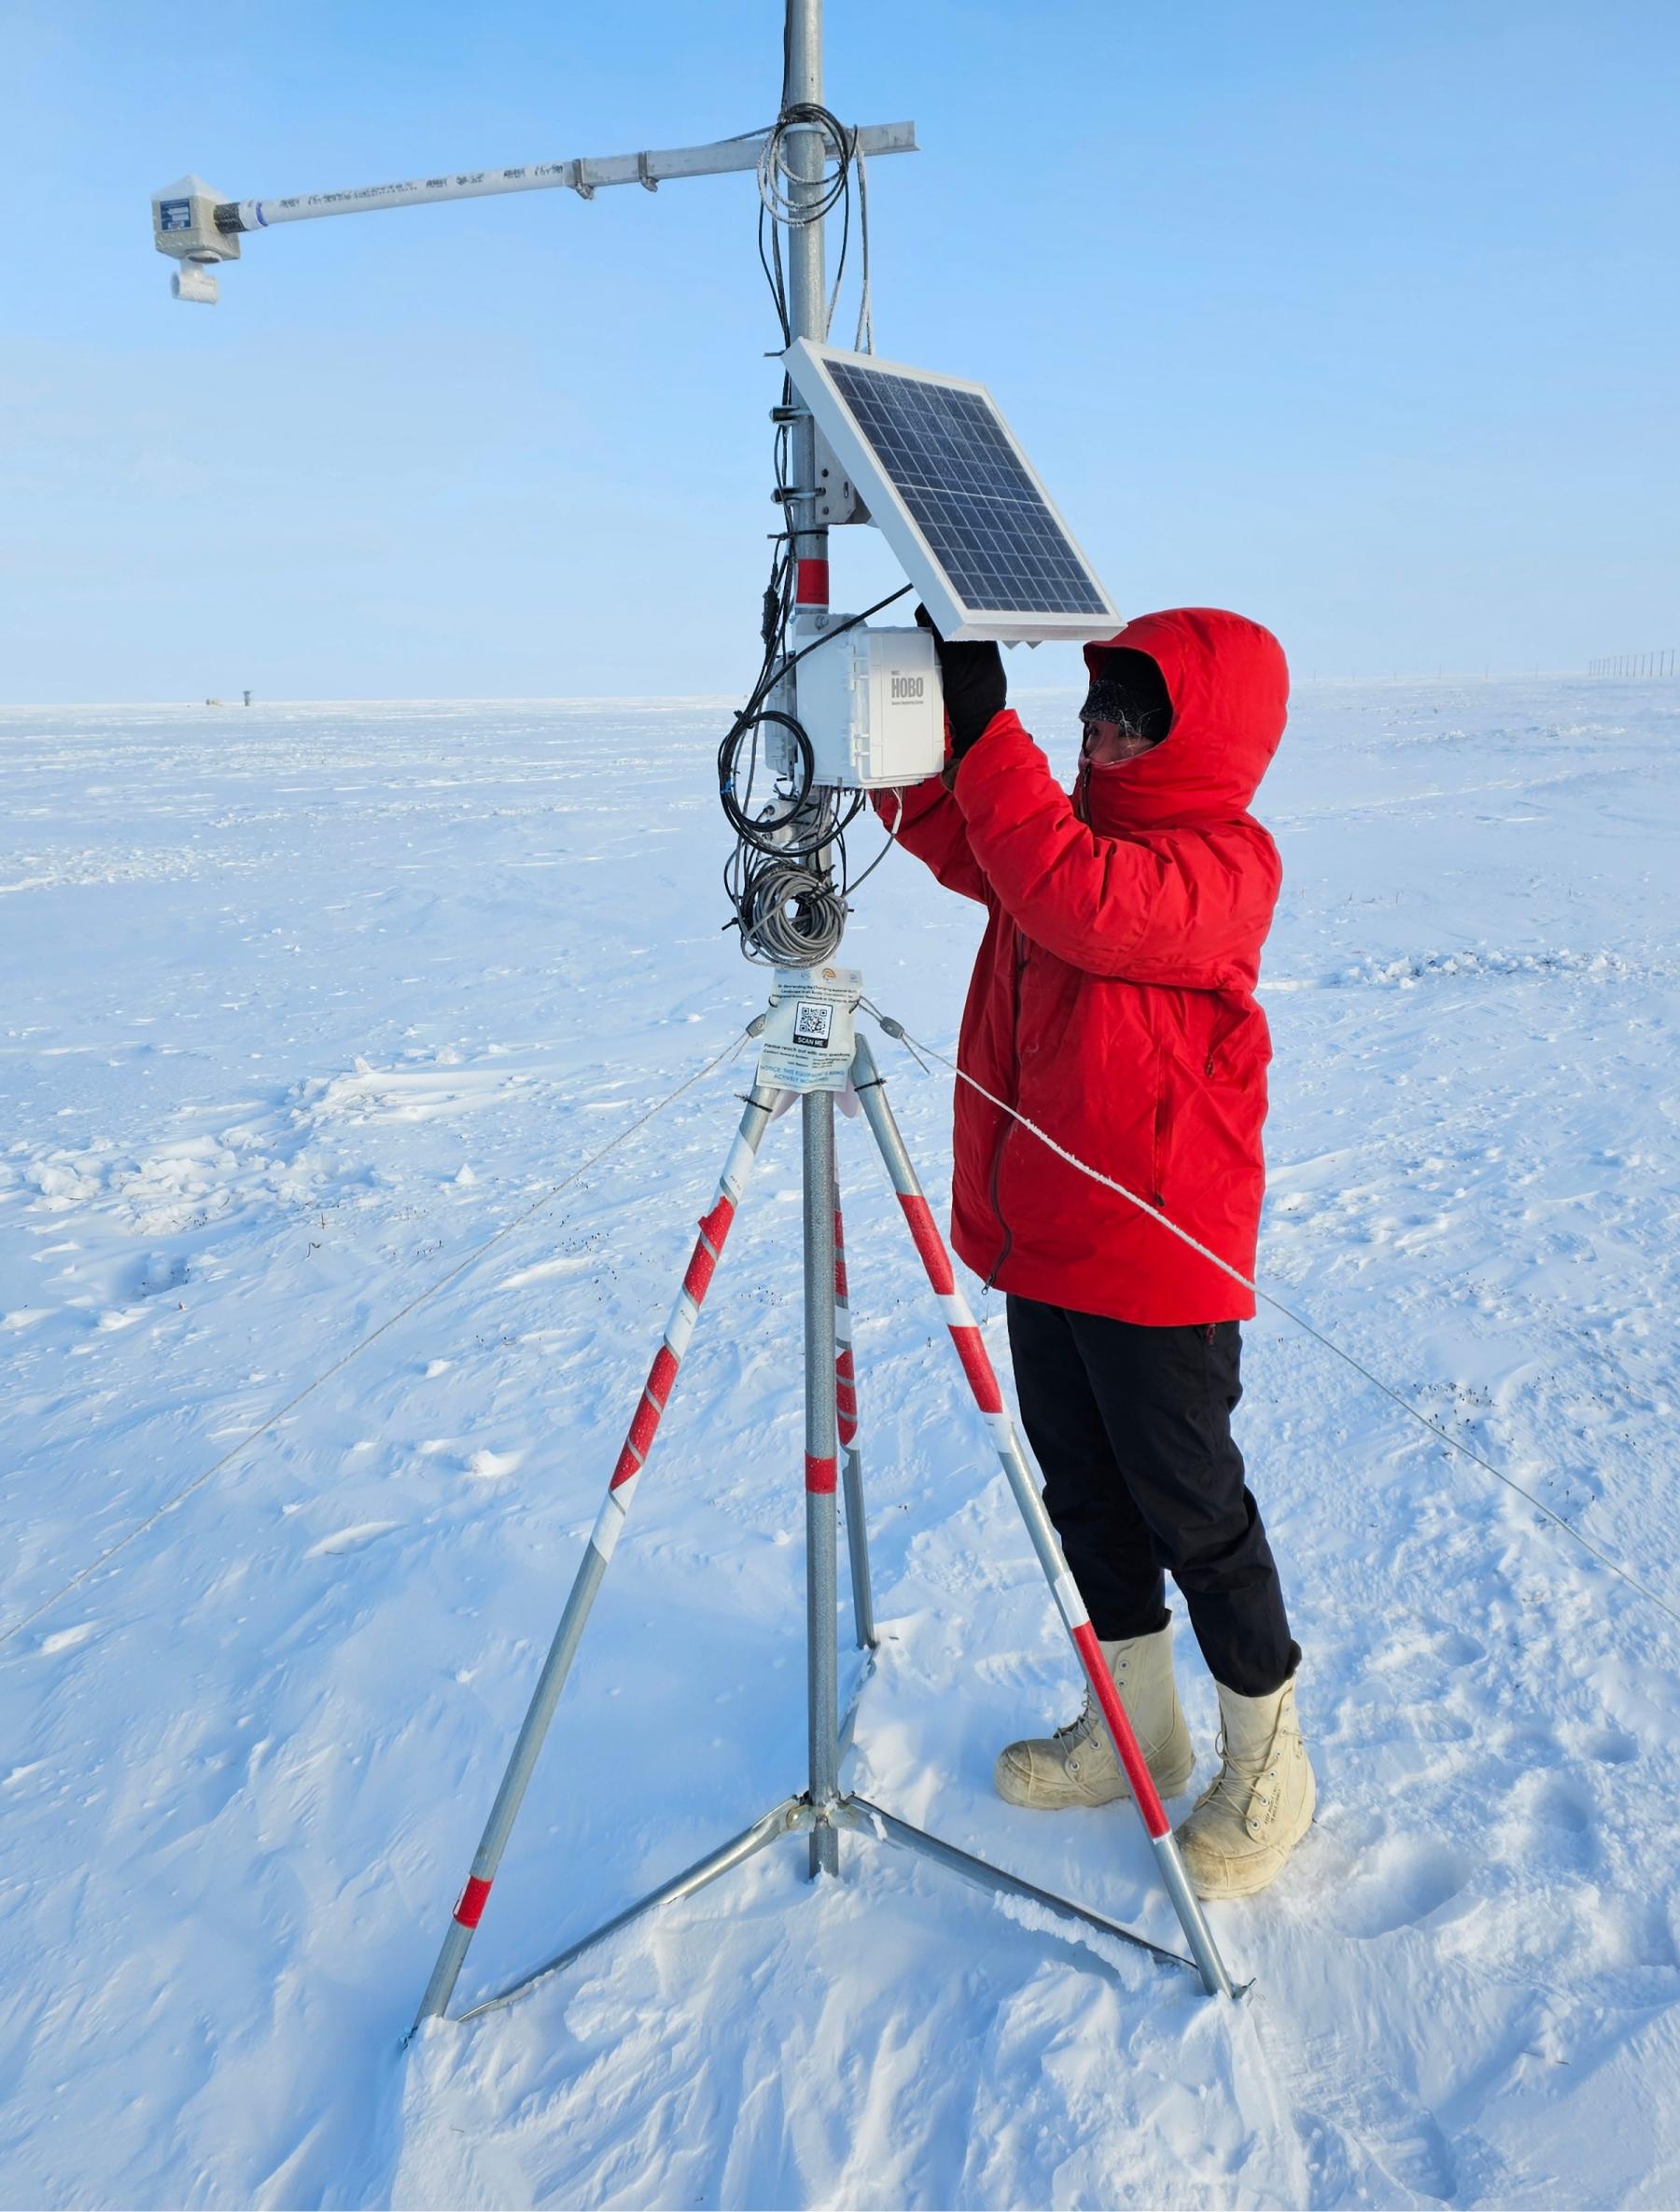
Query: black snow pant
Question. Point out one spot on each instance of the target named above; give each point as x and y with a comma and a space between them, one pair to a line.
1131, 1427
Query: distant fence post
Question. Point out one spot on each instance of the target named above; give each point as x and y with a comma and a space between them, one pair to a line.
1661, 662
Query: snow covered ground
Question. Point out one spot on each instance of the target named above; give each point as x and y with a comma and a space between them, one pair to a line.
299, 1004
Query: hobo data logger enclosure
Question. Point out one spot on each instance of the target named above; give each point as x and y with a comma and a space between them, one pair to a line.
870, 702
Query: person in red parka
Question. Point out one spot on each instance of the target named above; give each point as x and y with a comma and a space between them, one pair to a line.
1112, 1005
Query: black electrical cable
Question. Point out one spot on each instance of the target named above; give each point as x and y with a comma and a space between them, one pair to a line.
778, 208
786, 877
753, 716
852, 883
764, 828
773, 273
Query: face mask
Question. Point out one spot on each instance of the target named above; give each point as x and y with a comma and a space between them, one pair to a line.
1111, 745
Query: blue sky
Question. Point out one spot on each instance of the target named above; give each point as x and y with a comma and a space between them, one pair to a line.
1361, 318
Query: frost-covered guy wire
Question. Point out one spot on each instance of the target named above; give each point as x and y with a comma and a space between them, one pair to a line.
441, 1282
896, 1029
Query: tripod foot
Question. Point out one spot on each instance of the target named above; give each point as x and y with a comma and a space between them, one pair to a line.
785, 1819
870, 1820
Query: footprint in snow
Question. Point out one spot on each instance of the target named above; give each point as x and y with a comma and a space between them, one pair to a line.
1398, 1882
1548, 1821
1605, 1747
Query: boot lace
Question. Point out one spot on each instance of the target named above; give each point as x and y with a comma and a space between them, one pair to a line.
1075, 1731
1230, 1786
1241, 1787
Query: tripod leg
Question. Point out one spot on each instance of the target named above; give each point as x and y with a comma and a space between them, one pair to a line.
845, 1405
821, 1420
639, 1442
983, 1382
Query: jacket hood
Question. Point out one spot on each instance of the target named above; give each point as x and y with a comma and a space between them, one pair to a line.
1229, 686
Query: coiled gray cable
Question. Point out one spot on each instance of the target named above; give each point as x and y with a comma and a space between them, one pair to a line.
789, 914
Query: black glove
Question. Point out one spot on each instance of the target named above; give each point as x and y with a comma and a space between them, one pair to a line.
971, 678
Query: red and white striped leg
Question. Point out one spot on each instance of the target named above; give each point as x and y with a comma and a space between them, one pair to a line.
845, 1379
708, 1246
988, 1396
846, 1409
715, 1227
983, 1382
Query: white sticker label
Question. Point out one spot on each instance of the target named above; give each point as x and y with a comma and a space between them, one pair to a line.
808, 1041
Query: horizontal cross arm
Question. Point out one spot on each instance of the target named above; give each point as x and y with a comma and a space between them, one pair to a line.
581, 175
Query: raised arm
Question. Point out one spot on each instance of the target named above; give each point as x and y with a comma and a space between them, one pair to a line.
927, 821
1186, 906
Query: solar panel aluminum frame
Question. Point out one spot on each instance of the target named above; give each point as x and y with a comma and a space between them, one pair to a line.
953, 615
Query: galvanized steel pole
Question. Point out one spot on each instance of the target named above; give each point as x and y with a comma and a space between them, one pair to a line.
802, 86
808, 303
820, 1470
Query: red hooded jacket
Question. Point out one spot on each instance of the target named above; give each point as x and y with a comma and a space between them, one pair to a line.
1112, 998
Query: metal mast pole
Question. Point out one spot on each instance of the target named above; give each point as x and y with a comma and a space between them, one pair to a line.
802, 85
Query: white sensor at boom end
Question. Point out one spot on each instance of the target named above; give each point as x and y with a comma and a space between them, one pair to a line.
189, 281
184, 225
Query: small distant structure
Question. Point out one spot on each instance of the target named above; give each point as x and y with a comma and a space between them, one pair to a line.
215, 702
248, 698
1636, 663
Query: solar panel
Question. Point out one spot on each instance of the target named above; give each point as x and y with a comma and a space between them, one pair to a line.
953, 495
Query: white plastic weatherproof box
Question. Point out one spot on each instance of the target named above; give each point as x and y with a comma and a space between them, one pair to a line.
871, 704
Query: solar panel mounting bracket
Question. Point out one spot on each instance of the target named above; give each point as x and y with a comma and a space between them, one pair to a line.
838, 498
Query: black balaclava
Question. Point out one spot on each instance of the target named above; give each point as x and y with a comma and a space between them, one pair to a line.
1129, 688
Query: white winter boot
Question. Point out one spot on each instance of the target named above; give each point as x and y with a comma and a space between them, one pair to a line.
1077, 1765
1259, 1805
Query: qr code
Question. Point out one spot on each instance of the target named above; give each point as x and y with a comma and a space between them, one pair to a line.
813, 1025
